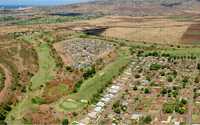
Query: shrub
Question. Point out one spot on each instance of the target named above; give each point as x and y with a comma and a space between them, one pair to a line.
168, 108
162, 73
135, 88
196, 80
147, 119
146, 91
175, 93
89, 72
78, 86
38, 100
169, 79
180, 110
155, 66
163, 91
185, 80
198, 66
137, 76
183, 102
65, 122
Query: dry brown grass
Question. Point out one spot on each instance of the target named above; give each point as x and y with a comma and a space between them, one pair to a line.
157, 29
145, 29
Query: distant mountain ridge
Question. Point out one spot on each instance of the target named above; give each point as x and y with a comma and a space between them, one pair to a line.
12, 6
135, 7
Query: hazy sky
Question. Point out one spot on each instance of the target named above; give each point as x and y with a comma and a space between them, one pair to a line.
39, 2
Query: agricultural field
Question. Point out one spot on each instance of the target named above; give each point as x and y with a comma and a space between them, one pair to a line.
153, 29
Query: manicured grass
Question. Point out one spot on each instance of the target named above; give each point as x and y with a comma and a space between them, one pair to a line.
46, 66
70, 105
93, 85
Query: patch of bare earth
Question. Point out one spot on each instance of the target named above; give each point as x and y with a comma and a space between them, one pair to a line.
4, 94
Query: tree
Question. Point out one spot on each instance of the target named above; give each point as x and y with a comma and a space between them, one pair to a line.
146, 91
89, 72
155, 66
169, 79
180, 110
168, 107
137, 76
135, 88
162, 73
198, 66
183, 101
147, 119
65, 122
163, 91
196, 80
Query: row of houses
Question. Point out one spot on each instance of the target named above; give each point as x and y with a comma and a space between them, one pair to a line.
109, 95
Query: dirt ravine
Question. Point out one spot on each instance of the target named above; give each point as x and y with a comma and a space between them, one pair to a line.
7, 84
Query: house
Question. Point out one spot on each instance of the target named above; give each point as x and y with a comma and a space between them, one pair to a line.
136, 116
176, 123
105, 99
98, 109
100, 104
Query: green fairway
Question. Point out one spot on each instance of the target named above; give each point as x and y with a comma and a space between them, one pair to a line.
70, 105
45, 73
46, 66
93, 85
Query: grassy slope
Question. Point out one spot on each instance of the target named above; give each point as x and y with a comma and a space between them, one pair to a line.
44, 74
54, 19
179, 51
91, 86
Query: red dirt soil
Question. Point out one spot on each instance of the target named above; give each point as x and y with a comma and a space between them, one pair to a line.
4, 94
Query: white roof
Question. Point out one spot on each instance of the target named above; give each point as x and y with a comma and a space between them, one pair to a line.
176, 123
98, 109
113, 91
81, 124
124, 78
105, 99
136, 116
115, 87
133, 63
100, 104
108, 95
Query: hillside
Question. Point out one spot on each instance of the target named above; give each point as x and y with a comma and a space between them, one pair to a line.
134, 7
